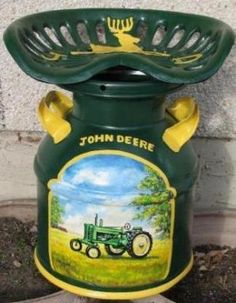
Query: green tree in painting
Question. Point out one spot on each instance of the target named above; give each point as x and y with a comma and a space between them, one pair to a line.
57, 211
153, 204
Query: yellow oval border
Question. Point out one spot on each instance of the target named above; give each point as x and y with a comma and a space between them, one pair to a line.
81, 291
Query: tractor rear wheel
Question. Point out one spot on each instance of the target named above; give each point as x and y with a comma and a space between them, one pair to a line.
139, 244
112, 251
93, 252
76, 244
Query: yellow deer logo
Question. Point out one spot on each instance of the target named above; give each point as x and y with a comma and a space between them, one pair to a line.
127, 43
120, 29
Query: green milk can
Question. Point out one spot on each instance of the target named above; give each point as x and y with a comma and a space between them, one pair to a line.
116, 171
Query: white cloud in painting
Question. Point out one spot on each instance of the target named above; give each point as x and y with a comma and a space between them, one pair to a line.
95, 177
68, 207
74, 224
116, 216
66, 185
124, 200
104, 185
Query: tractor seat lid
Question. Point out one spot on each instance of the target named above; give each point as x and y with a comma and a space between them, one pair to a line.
71, 46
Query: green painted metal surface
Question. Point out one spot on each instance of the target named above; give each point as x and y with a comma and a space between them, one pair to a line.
136, 115
108, 152
47, 51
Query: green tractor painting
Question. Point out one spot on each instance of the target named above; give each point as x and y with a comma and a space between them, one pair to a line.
117, 240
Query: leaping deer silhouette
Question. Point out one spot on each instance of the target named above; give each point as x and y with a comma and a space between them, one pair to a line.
128, 43
120, 29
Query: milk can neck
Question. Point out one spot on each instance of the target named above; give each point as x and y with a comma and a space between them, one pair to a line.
113, 112
119, 104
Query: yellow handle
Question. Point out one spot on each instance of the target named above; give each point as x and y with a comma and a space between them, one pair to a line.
186, 111
51, 112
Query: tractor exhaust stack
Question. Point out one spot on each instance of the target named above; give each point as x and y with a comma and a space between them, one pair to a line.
96, 220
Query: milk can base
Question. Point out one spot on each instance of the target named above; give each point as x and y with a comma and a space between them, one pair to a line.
105, 295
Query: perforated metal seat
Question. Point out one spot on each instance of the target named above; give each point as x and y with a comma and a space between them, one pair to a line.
70, 46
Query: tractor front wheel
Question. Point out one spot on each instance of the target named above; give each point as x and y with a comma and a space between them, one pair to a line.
139, 244
76, 244
93, 252
112, 251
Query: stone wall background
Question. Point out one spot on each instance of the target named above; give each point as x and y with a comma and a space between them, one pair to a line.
19, 96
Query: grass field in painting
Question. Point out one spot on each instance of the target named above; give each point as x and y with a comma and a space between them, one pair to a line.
107, 270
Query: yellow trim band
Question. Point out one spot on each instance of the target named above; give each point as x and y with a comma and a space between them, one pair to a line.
111, 295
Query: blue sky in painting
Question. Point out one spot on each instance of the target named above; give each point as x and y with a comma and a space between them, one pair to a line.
103, 184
